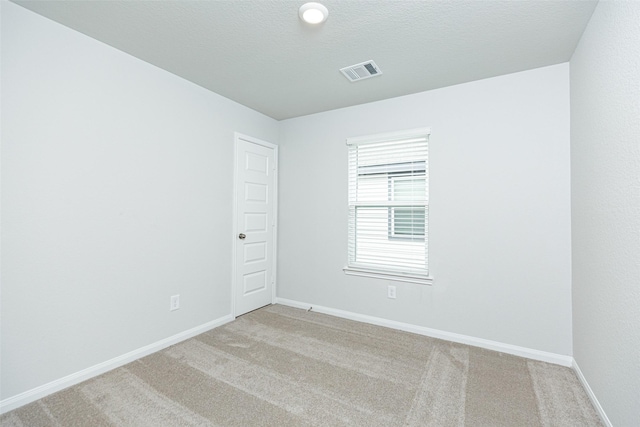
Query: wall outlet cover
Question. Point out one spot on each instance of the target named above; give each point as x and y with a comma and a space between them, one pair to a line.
391, 291
175, 303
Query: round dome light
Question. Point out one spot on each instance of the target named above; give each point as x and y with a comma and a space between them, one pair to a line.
313, 13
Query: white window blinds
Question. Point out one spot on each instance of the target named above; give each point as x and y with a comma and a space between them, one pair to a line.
389, 202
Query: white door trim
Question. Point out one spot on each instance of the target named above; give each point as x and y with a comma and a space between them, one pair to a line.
237, 137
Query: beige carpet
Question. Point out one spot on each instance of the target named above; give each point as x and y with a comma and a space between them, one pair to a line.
280, 366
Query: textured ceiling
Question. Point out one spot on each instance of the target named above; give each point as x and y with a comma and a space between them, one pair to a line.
258, 53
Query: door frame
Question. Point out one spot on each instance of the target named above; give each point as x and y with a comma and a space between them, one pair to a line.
236, 139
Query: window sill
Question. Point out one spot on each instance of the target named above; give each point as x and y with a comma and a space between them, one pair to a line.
389, 275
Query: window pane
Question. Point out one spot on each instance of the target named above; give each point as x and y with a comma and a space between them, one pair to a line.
409, 188
373, 246
408, 222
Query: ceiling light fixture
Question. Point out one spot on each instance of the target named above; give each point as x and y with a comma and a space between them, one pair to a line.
313, 13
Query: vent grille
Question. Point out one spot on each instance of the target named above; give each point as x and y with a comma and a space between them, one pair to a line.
361, 71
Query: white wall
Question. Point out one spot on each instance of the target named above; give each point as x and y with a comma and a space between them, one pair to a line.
605, 186
499, 216
116, 194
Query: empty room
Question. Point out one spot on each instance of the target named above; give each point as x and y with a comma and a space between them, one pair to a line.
345, 213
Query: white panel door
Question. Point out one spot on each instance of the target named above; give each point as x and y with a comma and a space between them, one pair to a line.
255, 224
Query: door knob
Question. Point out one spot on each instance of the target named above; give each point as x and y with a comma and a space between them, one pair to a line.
242, 236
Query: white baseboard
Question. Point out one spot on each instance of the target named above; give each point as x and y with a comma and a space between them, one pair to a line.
29, 396
528, 353
592, 396
32, 395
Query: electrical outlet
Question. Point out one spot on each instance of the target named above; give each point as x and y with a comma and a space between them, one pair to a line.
391, 291
175, 303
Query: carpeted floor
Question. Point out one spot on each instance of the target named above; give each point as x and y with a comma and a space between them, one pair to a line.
280, 366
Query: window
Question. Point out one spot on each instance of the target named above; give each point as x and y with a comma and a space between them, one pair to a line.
389, 205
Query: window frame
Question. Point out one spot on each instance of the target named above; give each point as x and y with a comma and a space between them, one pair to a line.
387, 272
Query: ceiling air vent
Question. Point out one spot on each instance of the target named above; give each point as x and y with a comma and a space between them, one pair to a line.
361, 71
